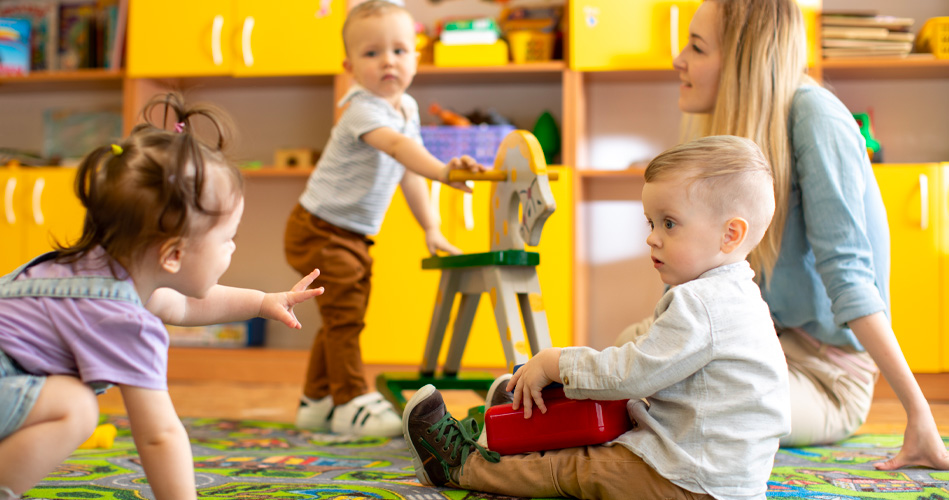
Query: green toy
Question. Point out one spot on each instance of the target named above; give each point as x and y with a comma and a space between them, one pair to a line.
548, 135
874, 150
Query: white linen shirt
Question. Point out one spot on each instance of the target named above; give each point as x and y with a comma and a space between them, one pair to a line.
712, 369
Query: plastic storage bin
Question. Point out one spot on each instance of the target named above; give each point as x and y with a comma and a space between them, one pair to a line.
479, 141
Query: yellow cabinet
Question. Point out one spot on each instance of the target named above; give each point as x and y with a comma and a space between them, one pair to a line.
234, 37
38, 207
627, 34
403, 295
916, 200
643, 34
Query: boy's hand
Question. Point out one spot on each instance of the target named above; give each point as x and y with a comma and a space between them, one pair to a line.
528, 382
435, 240
279, 306
463, 163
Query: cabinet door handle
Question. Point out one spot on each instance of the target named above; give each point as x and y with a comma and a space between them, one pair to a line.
38, 201
8, 200
435, 198
467, 203
245, 41
923, 202
217, 26
674, 30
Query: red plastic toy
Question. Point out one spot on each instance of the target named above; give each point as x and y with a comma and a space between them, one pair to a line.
567, 423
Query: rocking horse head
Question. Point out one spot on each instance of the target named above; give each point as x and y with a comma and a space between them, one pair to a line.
522, 202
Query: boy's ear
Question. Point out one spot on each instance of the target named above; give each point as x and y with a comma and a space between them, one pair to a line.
348, 66
170, 255
736, 230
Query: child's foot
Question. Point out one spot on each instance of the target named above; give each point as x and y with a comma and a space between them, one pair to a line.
314, 414
439, 444
498, 393
366, 415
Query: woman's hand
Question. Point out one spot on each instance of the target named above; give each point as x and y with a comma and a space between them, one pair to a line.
922, 445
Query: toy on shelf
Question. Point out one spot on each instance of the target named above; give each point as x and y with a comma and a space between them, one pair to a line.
448, 117
102, 438
567, 423
874, 148
521, 202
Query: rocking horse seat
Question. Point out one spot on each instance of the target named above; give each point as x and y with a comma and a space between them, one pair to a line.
498, 258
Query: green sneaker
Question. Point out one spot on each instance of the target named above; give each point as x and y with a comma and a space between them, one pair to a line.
440, 445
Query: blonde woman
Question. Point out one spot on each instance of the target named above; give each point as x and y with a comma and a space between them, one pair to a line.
823, 266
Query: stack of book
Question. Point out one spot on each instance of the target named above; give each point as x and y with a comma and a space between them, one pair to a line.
865, 35
480, 31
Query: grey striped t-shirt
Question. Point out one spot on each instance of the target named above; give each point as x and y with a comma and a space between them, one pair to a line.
353, 183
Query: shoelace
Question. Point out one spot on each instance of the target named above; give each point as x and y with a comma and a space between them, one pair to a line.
457, 436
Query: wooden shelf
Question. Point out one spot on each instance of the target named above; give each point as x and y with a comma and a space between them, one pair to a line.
549, 71
912, 67
84, 79
632, 172
276, 172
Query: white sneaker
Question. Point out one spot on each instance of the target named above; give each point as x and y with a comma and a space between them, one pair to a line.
313, 414
6, 494
367, 415
498, 393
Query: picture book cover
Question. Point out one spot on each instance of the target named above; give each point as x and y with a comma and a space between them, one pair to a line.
14, 47
77, 35
43, 16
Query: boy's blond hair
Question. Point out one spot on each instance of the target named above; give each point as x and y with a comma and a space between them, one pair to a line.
729, 174
370, 8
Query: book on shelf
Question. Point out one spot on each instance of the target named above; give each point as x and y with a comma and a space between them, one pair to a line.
867, 20
14, 47
43, 16
480, 31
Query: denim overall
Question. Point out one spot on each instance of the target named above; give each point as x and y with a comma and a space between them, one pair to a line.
19, 388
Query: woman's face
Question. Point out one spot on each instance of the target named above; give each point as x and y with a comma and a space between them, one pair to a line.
700, 63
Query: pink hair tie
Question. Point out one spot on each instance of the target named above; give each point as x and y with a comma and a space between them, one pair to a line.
180, 127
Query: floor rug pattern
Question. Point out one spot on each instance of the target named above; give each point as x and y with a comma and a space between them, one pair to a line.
255, 460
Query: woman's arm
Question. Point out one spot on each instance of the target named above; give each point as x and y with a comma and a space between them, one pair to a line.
162, 443
922, 444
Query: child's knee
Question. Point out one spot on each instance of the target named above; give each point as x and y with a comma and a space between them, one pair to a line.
73, 403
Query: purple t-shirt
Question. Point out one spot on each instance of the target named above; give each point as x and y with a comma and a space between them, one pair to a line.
97, 340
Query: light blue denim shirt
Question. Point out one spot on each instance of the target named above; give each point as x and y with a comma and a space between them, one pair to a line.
834, 264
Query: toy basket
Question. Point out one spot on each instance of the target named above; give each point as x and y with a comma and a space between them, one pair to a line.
530, 46
934, 37
479, 141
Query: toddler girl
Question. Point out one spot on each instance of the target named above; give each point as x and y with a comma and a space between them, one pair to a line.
162, 209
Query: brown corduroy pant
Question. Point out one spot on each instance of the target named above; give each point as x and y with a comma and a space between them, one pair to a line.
335, 366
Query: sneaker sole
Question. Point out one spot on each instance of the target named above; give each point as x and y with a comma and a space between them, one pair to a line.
420, 473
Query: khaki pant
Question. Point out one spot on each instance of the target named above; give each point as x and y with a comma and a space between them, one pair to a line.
584, 472
342, 256
831, 389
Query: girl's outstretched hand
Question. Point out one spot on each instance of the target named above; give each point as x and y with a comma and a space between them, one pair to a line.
279, 306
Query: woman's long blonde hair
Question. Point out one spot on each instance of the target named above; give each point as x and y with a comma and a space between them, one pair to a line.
764, 61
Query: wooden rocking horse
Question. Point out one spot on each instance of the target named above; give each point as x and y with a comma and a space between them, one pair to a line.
521, 202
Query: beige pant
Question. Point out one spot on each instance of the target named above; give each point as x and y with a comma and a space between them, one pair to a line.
831, 389
584, 472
